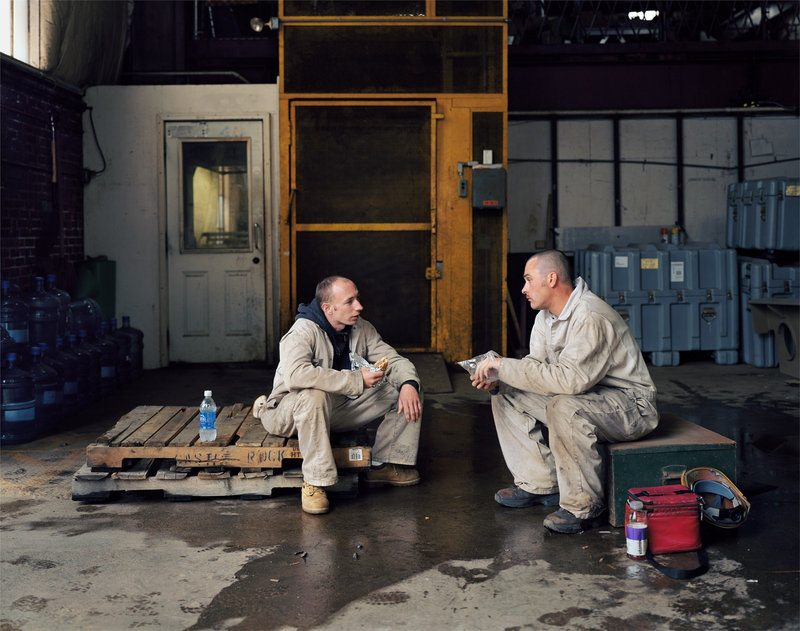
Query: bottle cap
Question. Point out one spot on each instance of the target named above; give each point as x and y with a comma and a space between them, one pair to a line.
207, 393
636, 505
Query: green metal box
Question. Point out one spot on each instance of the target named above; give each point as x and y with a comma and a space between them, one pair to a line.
675, 446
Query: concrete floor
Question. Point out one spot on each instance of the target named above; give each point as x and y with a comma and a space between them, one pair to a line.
442, 555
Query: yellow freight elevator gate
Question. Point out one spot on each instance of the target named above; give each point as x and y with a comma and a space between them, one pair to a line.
382, 116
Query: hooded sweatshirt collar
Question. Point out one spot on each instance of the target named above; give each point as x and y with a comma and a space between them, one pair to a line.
339, 339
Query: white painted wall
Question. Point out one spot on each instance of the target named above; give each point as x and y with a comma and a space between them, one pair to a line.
648, 173
123, 206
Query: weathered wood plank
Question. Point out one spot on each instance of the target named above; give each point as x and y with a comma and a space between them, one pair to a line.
274, 441
190, 433
172, 428
150, 427
251, 433
128, 423
228, 425
139, 470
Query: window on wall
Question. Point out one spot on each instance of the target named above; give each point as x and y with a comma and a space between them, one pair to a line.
14, 29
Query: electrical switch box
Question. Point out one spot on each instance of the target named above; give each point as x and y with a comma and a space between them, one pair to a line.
489, 186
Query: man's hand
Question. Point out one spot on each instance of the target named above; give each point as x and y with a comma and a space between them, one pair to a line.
485, 377
371, 378
409, 404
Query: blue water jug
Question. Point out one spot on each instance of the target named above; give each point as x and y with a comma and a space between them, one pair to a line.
14, 316
42, 315
18, 410
63, 300
70, 376
137, 345
108, 360
47, 390
85, 393
123, 352
92, 352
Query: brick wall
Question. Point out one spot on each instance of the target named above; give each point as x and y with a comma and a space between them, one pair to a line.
41, 221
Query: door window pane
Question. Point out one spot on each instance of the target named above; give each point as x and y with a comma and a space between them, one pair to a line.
216, 199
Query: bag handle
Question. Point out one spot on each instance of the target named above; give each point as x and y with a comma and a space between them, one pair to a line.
676, 572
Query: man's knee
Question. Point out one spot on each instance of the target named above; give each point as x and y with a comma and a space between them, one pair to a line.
560, 411
310, 403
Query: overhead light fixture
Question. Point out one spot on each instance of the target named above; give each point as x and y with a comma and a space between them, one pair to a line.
257, 24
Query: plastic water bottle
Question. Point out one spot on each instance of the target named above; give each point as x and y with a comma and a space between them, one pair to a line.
71, 376
43, 314
63, 299
18, 411
208, 418
123, 352
14, 316
48, 392
108, 360
137, 345
636, 530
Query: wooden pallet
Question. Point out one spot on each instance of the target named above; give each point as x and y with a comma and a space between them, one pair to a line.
158, 448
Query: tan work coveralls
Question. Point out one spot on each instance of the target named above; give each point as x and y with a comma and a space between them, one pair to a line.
586, 381
310, 399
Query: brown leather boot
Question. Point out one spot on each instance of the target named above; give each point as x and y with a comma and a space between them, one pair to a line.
393, 475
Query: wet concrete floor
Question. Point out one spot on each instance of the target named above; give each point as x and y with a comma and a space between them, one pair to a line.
441, 555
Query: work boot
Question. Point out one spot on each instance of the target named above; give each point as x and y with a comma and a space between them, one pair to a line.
259, 404
566, 523
515, 497
393, 475
314, 499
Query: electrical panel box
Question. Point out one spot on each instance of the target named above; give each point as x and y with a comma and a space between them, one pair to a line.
489, 187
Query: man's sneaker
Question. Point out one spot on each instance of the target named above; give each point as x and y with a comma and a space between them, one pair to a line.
314, 499
259, 404
565, 522
515, 497
393, 475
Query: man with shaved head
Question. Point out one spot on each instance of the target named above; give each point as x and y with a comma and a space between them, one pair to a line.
584, 382
316, 391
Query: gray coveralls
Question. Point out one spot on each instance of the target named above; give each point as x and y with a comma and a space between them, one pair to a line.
310, 399
586, 381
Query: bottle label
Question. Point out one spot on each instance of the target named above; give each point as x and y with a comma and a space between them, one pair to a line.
22, 411
108, 372
636, 538
50, 397
20, 335
70, 387
208, 420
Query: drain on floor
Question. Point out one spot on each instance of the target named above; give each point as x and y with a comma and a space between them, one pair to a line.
387, 598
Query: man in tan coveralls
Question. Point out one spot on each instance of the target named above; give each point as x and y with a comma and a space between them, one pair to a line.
583, 382
315, 392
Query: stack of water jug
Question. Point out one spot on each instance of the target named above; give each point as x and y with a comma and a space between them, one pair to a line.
763, 224
58, 356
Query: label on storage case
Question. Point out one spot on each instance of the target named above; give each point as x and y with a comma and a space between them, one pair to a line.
620, 261
649, 263
793, 190
676, 272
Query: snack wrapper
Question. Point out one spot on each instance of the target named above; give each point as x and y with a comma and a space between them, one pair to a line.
357, 363
471, 364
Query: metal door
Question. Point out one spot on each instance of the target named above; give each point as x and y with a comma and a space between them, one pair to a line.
363, 206
215, 240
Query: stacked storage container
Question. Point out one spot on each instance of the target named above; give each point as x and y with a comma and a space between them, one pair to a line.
764, 214
674, 298
759, 278
763, 223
